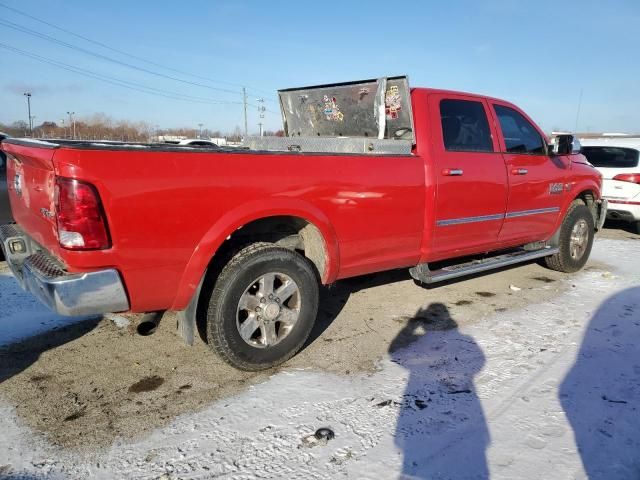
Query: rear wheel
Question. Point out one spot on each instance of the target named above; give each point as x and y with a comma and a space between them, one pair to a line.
575, 241
635, 226
262, 307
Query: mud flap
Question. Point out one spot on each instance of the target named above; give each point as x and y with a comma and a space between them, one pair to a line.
601, 213
186, 319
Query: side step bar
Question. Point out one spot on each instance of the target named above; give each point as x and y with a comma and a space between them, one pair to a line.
423, 274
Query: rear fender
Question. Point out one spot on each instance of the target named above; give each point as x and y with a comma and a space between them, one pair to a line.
242, 215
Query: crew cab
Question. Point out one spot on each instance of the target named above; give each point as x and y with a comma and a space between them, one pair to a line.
370, 176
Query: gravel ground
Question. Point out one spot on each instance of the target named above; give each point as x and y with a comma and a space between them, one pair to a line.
408, 377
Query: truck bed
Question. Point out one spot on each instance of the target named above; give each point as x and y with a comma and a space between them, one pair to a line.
253, 145
168, 207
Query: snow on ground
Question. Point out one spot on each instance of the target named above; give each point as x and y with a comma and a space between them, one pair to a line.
548, 391
21, 314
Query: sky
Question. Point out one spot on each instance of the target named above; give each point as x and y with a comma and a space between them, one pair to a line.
566, 63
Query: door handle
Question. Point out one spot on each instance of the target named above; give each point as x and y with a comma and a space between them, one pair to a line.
519, 171
452, 172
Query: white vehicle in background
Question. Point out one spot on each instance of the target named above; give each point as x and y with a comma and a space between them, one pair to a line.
617, 157
197, 142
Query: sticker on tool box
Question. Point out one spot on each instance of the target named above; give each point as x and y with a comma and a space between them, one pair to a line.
392, 102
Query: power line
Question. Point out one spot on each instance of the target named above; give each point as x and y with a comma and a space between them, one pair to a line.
127, 84
49, 38
119, 82
127, 54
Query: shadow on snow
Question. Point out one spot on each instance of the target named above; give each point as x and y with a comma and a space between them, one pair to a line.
601, 393
441, 428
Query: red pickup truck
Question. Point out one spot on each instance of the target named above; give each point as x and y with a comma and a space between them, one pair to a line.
370, 176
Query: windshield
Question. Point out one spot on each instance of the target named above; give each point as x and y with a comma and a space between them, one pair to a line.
611, 157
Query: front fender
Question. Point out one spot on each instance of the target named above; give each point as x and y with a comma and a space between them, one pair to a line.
577, 189
242, 215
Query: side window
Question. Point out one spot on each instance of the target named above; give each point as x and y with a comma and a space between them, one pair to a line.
465, 127
519, 135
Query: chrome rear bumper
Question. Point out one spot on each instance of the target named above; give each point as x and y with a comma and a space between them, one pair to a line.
90, 293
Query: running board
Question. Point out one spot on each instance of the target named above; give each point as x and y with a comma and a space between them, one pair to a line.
422, 273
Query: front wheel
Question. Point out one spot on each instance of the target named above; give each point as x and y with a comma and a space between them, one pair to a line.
263, 307
575, 241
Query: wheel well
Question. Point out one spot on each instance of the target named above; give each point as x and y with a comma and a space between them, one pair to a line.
588, 198
290, 232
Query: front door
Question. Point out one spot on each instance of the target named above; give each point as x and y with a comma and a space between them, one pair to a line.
536, 179
470, 176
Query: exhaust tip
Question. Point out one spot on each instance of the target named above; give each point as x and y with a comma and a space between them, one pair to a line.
149, 323
145, 329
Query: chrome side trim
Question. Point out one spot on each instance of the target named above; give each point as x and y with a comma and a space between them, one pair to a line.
457, 221
537, 211
499, 216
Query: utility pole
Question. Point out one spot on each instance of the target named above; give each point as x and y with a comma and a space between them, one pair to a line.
200, 131
28, 95
261, 110
72, 122
244, 101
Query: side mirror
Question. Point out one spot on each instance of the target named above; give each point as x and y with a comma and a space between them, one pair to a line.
564, 144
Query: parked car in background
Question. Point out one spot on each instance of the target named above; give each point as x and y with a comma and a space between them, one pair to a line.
192, 142
5, 210
197, 142
618, 159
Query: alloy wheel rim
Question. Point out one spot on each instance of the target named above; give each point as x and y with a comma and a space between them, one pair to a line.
268, 310
579, 239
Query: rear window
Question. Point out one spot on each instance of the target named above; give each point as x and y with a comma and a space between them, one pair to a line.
465, 127
611, 157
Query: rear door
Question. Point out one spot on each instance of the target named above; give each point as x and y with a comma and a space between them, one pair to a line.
536, 180
470, 175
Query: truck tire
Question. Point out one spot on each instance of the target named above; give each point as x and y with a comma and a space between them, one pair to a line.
576, 239
262, 307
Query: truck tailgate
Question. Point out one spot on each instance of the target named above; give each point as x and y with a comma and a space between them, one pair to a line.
31, 182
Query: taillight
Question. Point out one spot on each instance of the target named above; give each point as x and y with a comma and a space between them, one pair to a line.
81, 221
628, 177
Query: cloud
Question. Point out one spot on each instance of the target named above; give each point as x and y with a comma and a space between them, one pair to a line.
41, 89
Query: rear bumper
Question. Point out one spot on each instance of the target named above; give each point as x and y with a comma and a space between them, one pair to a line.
90, 293
624, 210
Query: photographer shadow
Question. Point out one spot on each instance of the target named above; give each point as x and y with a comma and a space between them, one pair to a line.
441, 428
